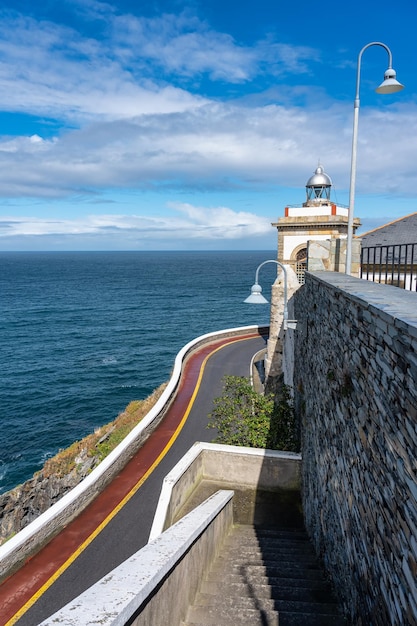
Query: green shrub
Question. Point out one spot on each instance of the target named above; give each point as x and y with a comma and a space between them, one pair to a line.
243, 417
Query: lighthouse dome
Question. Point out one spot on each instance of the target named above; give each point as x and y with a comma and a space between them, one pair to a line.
318, 188
319, 179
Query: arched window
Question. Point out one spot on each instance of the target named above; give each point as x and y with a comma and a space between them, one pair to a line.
301, 264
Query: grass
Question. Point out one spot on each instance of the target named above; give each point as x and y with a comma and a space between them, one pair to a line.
99, 444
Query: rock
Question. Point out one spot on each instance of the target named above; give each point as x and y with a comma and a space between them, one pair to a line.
23, 504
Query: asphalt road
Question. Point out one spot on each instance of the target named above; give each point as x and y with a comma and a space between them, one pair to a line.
25, 599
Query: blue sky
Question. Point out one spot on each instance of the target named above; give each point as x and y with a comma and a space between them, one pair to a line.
191, 125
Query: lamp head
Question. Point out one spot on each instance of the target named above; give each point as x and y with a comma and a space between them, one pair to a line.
390, 83
256, 296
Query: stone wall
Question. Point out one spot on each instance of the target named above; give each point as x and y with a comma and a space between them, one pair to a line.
330, 255
356, 395
279, 355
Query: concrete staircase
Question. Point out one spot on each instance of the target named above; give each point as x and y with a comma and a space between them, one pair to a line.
265, 577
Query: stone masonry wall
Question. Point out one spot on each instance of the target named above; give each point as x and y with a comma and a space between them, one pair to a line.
330, 255
356, 395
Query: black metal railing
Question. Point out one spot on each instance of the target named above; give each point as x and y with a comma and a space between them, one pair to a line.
392, 265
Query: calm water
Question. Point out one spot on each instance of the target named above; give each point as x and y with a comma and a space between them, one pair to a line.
84, 333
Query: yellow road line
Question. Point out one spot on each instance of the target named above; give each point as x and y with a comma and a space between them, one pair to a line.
121, 504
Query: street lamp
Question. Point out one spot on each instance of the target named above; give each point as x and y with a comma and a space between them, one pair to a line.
389, 85
256, 296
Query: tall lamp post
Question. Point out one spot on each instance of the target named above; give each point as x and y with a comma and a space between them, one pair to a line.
389, 85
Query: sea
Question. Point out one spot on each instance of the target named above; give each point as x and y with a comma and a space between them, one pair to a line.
85, 333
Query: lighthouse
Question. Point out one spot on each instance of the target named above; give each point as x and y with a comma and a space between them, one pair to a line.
318, 219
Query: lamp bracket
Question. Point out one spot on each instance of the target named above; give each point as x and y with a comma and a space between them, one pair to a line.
290, 324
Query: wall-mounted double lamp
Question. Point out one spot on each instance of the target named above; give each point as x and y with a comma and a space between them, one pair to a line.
256, 296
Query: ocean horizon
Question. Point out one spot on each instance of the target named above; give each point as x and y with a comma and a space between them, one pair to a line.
85, 333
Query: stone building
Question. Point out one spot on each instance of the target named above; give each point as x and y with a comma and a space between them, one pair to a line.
317, 219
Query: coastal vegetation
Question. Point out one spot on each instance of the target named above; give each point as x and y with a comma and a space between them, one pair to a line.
99, 444
244, 417
62, 472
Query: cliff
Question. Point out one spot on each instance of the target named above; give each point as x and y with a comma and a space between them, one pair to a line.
24, 503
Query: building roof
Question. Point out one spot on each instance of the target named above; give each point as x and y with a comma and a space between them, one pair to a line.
400, 231
319, 179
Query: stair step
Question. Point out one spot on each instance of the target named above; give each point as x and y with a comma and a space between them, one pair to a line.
274, 581
246, 536
288, 590
253, 617
276, 543
268, 556
265, 577
222, 570
249, 554
261, 533
218, 616
238, 603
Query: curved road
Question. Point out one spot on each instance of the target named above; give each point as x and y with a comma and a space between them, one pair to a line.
118, 521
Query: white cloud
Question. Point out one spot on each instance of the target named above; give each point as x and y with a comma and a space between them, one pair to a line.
216, 146
184, 46
140, 127
206, 223
222, 222
134, 66
50, 70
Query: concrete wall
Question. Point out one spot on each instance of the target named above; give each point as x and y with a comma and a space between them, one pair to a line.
356, 394
252, 467
144, 590
226, 466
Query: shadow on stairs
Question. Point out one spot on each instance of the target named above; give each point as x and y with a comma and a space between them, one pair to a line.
265, 577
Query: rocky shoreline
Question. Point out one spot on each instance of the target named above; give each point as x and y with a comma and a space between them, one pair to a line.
23, 504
